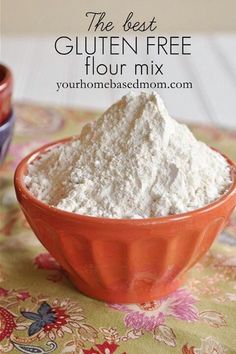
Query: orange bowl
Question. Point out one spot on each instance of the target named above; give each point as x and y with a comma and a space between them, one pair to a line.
124, 260
6, 88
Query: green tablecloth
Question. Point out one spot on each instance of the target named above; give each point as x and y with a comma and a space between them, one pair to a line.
40, 310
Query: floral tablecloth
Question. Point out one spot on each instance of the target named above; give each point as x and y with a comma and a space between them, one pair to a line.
40, 310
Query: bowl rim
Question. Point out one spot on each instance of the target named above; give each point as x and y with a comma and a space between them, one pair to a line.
21, 188
7, 78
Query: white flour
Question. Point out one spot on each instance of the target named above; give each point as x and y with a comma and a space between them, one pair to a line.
135, 161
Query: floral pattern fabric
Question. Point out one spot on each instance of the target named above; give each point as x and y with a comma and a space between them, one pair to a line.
41, 311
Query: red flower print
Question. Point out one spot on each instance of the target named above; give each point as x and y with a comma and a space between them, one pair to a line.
54, 320
47, 318
90, 351
60, 319
46, 261
3, 292
23, 295
104, 348
7, 323
187, 350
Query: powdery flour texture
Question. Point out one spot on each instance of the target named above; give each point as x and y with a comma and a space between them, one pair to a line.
135, 161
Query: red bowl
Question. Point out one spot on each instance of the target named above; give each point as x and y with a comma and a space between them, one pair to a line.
124, 260
6, 88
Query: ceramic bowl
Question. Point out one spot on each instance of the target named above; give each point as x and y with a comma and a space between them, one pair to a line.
124, 260
6, 132
6, 87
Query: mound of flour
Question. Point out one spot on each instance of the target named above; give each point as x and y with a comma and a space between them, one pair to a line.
135, 161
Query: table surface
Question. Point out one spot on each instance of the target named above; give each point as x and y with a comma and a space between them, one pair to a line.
40, 310
211, 68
